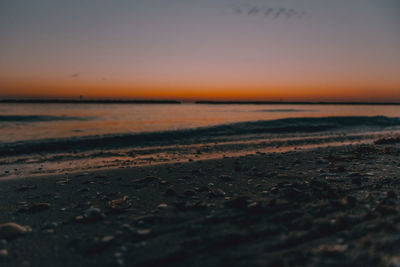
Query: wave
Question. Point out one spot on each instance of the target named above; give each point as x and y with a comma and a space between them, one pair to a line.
290, 125
37, 118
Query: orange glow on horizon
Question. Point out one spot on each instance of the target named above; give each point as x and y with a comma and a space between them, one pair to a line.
193, 93
388, 91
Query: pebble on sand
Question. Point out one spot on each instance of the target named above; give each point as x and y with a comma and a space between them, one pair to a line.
162, 206
93, 214
3, 253
170, 192
11, 230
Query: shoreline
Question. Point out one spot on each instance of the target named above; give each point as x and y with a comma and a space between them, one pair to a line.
324, 206
164, 153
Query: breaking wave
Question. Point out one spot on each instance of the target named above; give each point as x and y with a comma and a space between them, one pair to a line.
280, 126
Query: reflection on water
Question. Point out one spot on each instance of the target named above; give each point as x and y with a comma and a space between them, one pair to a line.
74, 120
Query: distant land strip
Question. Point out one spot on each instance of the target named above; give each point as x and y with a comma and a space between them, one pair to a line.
113, 101
293, 103
72, 101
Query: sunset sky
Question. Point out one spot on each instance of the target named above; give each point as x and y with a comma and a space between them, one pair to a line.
342, 50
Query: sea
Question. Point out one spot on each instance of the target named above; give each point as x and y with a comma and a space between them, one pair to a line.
51, 137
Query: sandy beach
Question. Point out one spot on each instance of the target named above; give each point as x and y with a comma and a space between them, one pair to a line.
330, 206
199, 133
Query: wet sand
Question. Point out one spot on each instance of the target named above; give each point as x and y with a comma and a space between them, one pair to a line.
330, 206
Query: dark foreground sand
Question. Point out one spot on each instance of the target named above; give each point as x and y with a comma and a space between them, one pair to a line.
324, 207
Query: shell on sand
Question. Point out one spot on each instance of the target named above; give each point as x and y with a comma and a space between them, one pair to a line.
11, 230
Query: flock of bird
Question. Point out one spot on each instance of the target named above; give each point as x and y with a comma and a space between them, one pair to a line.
274, 13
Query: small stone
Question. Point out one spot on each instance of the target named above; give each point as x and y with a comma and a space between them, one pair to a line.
395, 262
79, 218
220, 192
330, 249
143, 232
63, 182
170, 192
93, 214
127, 227
253, 205
108, 238
118, 255
118, 203
348, 200
162, 206
3, 253
189, 193
49, 226
11, 230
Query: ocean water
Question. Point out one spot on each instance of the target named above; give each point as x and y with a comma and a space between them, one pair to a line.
35, 122
41, 139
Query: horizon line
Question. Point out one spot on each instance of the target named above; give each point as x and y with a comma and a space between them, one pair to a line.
172, 101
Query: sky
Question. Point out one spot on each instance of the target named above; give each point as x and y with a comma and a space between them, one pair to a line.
290, 50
